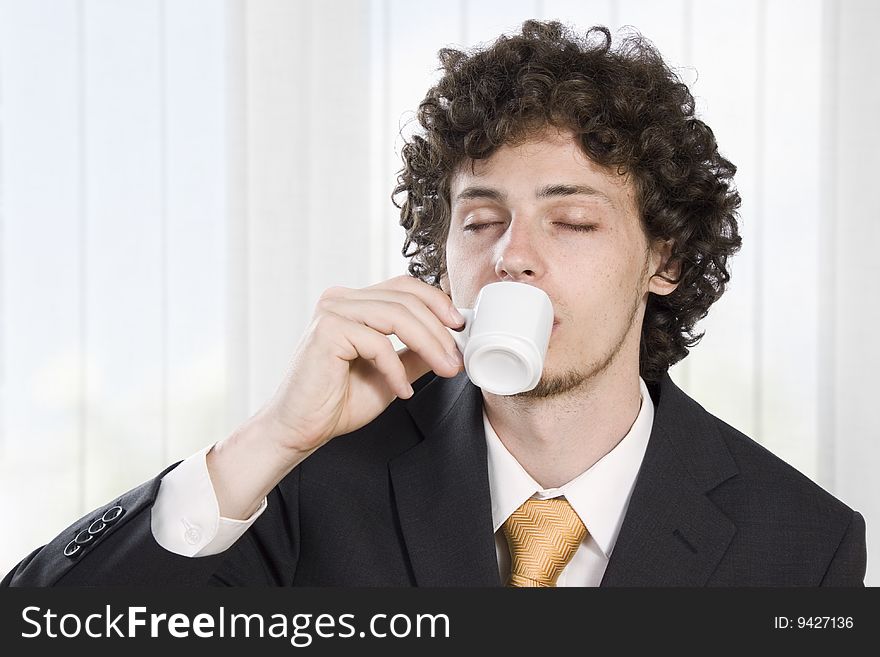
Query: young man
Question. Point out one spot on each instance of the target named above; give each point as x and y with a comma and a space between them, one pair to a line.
552, 161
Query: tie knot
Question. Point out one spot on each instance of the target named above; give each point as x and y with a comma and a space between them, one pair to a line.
543, 536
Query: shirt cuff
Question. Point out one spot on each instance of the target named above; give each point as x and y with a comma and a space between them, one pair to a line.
185, 518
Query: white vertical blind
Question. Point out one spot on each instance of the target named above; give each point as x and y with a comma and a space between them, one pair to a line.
851, 263
722, 370
41, 263
787, 298
123, 244
482, 22
276, 217
180, 180
113, 139
583, 14
195, 151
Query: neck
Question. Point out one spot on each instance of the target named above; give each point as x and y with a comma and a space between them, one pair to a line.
557, 438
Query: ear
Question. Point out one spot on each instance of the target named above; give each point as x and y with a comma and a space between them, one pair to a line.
662, 265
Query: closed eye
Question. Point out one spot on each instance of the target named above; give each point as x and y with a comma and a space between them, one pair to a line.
580, 228
478, 227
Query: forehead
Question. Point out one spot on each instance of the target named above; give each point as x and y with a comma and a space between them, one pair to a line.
552, 157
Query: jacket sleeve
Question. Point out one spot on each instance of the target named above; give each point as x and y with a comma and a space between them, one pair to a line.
114, 545
847, 567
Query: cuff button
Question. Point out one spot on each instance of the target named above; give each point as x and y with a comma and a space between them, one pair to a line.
97, 527
83, 537
112, 514
192, 536
71, 550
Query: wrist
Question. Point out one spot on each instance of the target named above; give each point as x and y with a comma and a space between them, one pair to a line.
248, 464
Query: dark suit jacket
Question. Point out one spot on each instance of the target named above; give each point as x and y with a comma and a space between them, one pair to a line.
405, 501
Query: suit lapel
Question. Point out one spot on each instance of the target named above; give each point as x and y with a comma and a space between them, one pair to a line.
441, 487
673, 535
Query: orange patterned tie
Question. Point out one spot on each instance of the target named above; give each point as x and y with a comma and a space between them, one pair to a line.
543, 536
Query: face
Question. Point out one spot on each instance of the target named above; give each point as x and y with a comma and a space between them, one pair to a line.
543, 213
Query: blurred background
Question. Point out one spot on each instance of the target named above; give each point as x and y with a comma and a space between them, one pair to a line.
180, 180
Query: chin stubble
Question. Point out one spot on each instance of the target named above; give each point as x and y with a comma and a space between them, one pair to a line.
560, 384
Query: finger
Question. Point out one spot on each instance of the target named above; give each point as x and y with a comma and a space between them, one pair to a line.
416, 306
388, 317
436, 299
377, 348
415, 365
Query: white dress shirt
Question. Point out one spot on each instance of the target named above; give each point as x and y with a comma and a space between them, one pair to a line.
185, 517
600, 496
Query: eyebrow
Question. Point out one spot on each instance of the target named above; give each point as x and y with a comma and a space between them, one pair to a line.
469, 193
573, 190
548, 191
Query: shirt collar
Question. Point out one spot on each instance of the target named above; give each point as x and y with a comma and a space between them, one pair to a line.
600, 495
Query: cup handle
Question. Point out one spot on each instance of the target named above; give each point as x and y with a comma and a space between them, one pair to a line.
461, 337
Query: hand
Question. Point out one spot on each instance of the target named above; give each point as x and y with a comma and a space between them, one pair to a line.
345, 370
344, 373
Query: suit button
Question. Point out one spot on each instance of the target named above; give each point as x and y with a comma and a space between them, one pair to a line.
97, 527
71, 550
83, 537
112, 514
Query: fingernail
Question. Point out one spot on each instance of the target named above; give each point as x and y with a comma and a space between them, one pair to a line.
456, 316
454, 358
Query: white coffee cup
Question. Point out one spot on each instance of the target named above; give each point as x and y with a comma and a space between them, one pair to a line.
505, 337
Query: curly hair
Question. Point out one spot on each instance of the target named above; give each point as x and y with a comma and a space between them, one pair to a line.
631, 114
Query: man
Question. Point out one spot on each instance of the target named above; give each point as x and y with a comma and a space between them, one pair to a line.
547, 160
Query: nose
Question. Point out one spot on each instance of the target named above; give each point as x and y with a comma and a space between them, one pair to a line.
518, 257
